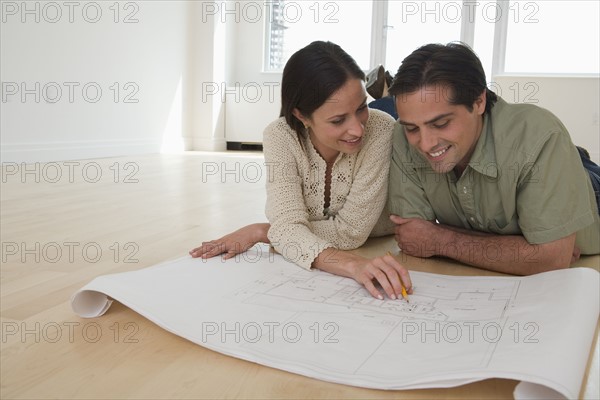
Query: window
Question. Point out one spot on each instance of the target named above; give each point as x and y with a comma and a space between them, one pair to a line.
294, 24
411, 24
515, 37
553, 37
485, 18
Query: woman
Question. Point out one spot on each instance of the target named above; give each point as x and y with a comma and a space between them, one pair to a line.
327, 158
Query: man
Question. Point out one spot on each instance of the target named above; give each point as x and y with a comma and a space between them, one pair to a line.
473, 178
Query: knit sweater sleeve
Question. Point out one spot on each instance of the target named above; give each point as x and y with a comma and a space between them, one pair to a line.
291, 232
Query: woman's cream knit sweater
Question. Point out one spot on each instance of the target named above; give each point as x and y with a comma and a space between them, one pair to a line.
300, 226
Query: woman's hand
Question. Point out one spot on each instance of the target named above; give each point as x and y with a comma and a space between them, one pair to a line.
385, 270
233, 243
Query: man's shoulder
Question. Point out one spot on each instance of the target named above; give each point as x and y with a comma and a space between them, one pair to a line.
520, 130
531, 118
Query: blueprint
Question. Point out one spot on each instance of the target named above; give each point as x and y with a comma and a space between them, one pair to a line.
454, 330
434, 299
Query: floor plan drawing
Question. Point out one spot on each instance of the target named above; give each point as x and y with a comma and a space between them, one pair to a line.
431, 300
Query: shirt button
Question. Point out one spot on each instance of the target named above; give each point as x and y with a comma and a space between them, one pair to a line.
464, 189
472, 219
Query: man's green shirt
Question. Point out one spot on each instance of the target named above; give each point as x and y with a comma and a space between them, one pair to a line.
525, 177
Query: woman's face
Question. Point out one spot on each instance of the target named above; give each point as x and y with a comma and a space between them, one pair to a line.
338, 126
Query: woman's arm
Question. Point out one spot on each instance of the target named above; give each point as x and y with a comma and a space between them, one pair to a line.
233, 243
291, 231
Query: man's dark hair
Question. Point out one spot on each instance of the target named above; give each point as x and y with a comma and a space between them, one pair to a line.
311, 76
453, 65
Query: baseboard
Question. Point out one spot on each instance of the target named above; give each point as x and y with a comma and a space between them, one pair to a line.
243, 146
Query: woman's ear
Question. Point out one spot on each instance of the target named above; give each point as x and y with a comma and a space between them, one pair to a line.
301, 117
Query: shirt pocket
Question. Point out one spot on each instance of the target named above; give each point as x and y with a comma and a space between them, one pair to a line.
500, 225
498, 212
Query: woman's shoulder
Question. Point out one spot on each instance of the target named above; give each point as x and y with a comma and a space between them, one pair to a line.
279, 138
279, 130
379, 127
380, 122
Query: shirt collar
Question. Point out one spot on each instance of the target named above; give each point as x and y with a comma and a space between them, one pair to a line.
483, 159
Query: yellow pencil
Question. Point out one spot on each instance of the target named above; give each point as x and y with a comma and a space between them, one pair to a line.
404, 294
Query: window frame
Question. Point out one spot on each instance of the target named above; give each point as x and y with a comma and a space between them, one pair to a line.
380, 27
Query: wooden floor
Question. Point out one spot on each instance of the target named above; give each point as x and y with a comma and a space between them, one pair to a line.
65, 223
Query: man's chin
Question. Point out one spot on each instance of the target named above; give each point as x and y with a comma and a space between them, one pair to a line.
442, 167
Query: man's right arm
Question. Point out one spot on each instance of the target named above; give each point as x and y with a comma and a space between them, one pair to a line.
510, 254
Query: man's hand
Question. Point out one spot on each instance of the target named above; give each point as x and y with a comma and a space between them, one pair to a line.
416, 237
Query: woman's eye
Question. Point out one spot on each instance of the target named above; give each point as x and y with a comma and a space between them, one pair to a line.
337, 121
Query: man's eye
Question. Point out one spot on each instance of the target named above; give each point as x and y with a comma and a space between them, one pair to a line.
439, 126
411, 129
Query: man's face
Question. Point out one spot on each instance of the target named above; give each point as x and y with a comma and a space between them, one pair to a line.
444, 133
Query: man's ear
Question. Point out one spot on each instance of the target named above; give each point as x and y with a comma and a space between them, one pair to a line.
301, 117
480, 102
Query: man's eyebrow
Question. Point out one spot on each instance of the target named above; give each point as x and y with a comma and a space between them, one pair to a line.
431, 121
405, 123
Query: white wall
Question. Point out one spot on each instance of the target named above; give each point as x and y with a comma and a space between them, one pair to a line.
249, 53
160, 60
575, 100
254, 96
50, 55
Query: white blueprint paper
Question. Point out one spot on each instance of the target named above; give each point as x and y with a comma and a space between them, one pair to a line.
455, 330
